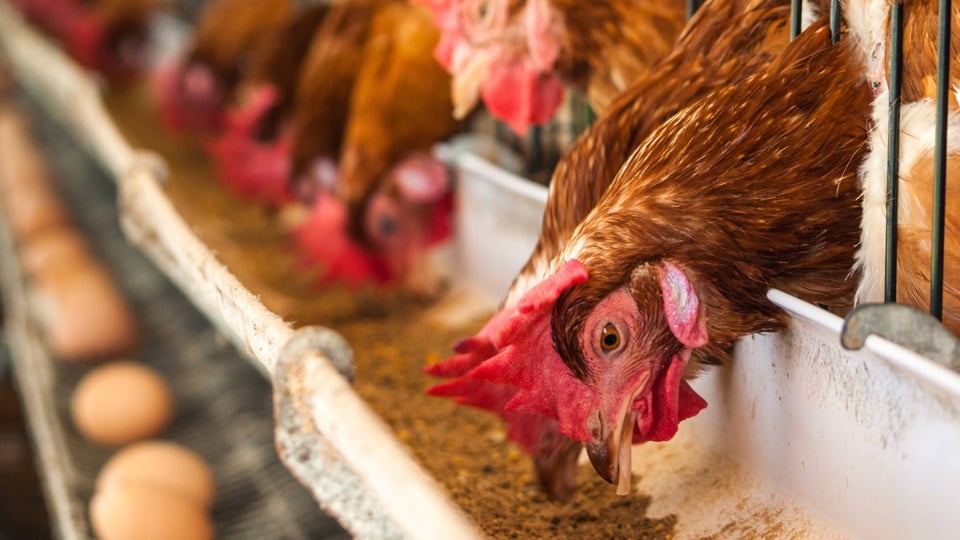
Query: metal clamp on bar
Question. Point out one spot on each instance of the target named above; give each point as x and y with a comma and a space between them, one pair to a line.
338, 447
904, 325
325, 341
149, 163
307, 454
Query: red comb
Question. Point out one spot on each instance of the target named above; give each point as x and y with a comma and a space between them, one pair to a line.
73, 24
251, 168
323, 242
511, 367
521, 95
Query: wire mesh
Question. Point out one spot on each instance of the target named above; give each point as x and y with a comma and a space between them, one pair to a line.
542, 146
224, 406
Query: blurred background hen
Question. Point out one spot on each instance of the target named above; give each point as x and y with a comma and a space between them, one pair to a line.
339, 107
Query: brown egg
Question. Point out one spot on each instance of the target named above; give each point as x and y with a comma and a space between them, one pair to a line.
12, 127
83, 315
52, 247
140, 512
31, 204
121, 402
160, 465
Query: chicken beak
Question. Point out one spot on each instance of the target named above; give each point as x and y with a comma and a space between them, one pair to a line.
611, 457
468, 83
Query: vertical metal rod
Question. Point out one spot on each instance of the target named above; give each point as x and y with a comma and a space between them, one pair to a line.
834, 21
536, 151
796, 17
893, 151
940, 161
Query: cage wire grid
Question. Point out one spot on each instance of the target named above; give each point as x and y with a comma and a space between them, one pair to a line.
223, 405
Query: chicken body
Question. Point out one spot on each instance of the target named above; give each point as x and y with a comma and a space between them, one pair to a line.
916, 176
516, 54
323, 94
724, 39
741, 184
397, 194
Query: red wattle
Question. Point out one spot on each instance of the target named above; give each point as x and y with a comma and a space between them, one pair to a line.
520, 95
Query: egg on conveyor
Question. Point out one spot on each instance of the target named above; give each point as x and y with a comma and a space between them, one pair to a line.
162, 465
142, 512
52, 247
82, 314
121, 402
31, 206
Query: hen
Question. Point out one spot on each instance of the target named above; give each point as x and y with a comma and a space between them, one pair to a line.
516, 54
732, 187
710, 52
251, 153
397, 194
104, 35
366, 117
193, 91
917, 133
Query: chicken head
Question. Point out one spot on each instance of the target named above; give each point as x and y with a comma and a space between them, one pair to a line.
409, 213
615, 380
634, 362
503, 54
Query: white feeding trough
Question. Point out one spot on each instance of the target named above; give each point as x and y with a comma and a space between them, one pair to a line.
800, 438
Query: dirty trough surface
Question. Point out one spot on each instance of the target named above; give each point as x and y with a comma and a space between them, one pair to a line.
393, 336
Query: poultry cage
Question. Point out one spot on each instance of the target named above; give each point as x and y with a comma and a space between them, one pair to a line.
802, 438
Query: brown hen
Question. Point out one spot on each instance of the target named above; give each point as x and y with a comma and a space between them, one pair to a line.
728, 170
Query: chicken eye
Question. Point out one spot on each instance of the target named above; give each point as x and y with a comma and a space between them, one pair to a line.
483, 9
386, 225
609, 338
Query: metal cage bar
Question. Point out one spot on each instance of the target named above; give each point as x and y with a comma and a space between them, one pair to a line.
796, 17
893, 152
940, 161
834, 21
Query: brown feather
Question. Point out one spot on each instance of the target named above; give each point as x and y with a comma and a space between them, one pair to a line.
752, 187
281, 53
330, 70
914, 240
608, 45
228, 29
724, 38
920, 37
